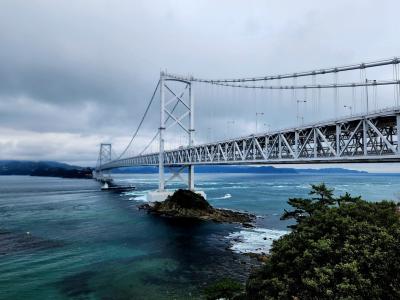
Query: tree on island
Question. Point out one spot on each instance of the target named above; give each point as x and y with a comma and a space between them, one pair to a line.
339, 248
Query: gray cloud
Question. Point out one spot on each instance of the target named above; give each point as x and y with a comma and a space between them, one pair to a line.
82, 71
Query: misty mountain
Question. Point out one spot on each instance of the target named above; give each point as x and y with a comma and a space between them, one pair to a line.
43, 168
244, 169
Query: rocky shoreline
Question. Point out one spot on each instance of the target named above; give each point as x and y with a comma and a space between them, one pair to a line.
187, 204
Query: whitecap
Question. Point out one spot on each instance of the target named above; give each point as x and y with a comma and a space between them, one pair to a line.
226, 196
137, 196
304, 186
257, 240
142, 198
136, 193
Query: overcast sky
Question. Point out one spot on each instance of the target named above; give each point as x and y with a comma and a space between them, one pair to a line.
74, 74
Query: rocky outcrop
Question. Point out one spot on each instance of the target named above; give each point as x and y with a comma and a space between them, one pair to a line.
187, 204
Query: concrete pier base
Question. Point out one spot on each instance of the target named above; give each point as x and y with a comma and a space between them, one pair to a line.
161, 196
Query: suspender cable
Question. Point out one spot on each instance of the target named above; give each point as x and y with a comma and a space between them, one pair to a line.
396, 87
319, 102
336, 95
313, 101
141, 121
375, 95
166, 120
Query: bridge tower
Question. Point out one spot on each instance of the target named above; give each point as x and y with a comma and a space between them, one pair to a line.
104, 157
105, 153
185, 120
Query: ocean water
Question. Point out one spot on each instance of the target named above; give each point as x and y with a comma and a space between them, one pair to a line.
66, 239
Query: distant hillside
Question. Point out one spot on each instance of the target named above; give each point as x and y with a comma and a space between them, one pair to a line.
244, 169
330, 171
56, 169
43, 168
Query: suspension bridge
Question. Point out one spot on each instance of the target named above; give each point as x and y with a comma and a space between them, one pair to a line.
368, 132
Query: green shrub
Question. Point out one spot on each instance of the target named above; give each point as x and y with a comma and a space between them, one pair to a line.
225, 288
340, 248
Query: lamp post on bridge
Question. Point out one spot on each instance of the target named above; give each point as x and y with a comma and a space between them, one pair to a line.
258, 114
267, 126
350, 108
208, 135
298, 111
366, 91
231, 122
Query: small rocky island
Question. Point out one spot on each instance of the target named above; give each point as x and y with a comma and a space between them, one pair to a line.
187, 204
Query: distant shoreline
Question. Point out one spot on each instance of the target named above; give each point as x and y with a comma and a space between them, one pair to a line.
62, 170
44, 169
243, 170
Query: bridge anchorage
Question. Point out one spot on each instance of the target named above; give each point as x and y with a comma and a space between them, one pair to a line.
362, 137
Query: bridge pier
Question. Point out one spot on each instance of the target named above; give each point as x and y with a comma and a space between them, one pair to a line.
191, 177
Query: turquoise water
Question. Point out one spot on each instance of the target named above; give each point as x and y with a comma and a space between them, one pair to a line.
65, 239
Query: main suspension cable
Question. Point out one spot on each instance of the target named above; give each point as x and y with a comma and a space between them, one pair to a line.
157, 133
141, 121
379, 63
317, 86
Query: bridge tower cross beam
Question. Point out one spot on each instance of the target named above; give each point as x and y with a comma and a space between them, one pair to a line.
166, 113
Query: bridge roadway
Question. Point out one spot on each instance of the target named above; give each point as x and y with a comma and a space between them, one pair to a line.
373, 137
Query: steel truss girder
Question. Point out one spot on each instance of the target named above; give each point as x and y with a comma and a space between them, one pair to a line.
368, 138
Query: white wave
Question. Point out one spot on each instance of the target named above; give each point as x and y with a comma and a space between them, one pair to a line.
257, 240
136, 193
208, 183
237, 187
139, 198
226, 196
303, 186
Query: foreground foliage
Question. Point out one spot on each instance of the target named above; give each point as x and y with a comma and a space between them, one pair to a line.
340, 248
225, 288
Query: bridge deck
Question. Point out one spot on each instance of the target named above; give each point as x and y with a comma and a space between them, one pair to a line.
364, 138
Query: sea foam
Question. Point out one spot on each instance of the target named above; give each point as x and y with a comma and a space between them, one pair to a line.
257, 240
226, 196
137, 195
